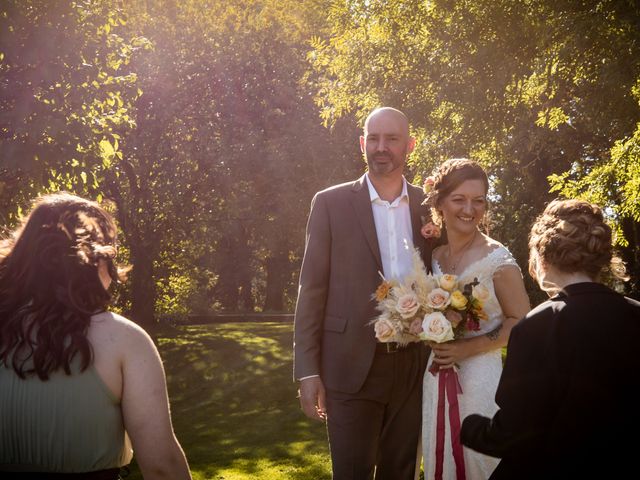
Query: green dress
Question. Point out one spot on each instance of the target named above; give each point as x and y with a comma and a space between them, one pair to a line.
69, 423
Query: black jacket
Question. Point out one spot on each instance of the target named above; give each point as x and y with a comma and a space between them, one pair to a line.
567, 393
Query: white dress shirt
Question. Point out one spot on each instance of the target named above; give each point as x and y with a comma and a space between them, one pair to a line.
393, 228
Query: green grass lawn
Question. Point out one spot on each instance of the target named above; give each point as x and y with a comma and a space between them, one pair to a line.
234, 404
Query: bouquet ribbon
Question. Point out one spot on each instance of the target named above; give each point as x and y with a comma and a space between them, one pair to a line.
448, 388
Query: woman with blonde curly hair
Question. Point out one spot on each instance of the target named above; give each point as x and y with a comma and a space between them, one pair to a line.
565, 395
76, 381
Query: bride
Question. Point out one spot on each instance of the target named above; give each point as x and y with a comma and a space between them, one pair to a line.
458, 202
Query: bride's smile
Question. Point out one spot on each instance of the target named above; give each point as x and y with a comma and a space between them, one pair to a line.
464, 207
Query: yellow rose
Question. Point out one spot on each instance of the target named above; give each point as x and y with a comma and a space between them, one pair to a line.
458, 300
448, 282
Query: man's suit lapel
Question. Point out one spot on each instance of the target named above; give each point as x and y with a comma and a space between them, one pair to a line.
417, 210
419, 215
362, 204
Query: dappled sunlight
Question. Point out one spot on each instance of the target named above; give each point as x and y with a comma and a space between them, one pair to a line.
234, 403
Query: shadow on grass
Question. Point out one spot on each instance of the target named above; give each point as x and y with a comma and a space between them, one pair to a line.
234, 404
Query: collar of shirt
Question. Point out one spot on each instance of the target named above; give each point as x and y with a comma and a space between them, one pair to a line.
375, 198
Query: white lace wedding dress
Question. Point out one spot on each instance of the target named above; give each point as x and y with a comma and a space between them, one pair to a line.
478, 376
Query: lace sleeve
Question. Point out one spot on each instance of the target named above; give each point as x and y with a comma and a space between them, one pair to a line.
501, 258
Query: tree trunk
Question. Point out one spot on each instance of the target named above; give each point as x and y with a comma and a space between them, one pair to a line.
143, 291
226, 289
234, 273
246, 295
277, 273
631, 255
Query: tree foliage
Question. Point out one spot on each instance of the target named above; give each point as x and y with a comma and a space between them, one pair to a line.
64, 93
201, 122
229, 129
530, 89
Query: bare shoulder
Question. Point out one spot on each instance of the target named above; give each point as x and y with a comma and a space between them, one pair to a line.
489, 245
482, 247
111, 328
118, 346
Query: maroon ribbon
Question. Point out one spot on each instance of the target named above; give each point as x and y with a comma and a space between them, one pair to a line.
448, 388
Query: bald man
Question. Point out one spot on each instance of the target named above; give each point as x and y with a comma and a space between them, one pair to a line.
369, 393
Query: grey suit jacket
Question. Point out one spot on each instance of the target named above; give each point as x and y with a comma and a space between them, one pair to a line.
333, 335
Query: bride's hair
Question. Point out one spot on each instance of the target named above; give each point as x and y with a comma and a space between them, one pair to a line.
572, 236
449, 176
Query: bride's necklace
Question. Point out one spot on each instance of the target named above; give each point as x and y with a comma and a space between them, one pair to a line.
454, 265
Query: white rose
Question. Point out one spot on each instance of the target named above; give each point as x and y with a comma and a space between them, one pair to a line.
436, 328
448, 282
481, 292
385, 331
438, 299
407, 305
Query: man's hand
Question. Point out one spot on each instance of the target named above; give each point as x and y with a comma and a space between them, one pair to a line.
313, 398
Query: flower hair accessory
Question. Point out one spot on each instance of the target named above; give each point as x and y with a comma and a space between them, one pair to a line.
430, 230
428, 184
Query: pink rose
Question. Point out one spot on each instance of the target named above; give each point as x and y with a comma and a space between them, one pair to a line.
428, 184
430, 230
407, 305
385, 331
438, 299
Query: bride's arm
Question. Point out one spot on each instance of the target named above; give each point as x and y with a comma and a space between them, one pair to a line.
513, 299
514, 302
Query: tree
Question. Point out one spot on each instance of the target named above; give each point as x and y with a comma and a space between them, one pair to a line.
64, 91
529, 89
252, 140
615, 184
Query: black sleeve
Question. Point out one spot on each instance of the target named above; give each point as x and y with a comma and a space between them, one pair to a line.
522, 398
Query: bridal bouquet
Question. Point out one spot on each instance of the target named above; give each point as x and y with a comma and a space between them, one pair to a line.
428, 307
403, 305
456, 309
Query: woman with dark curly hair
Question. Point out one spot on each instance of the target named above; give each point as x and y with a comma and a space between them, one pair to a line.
463, 373
566, 394
76, 381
